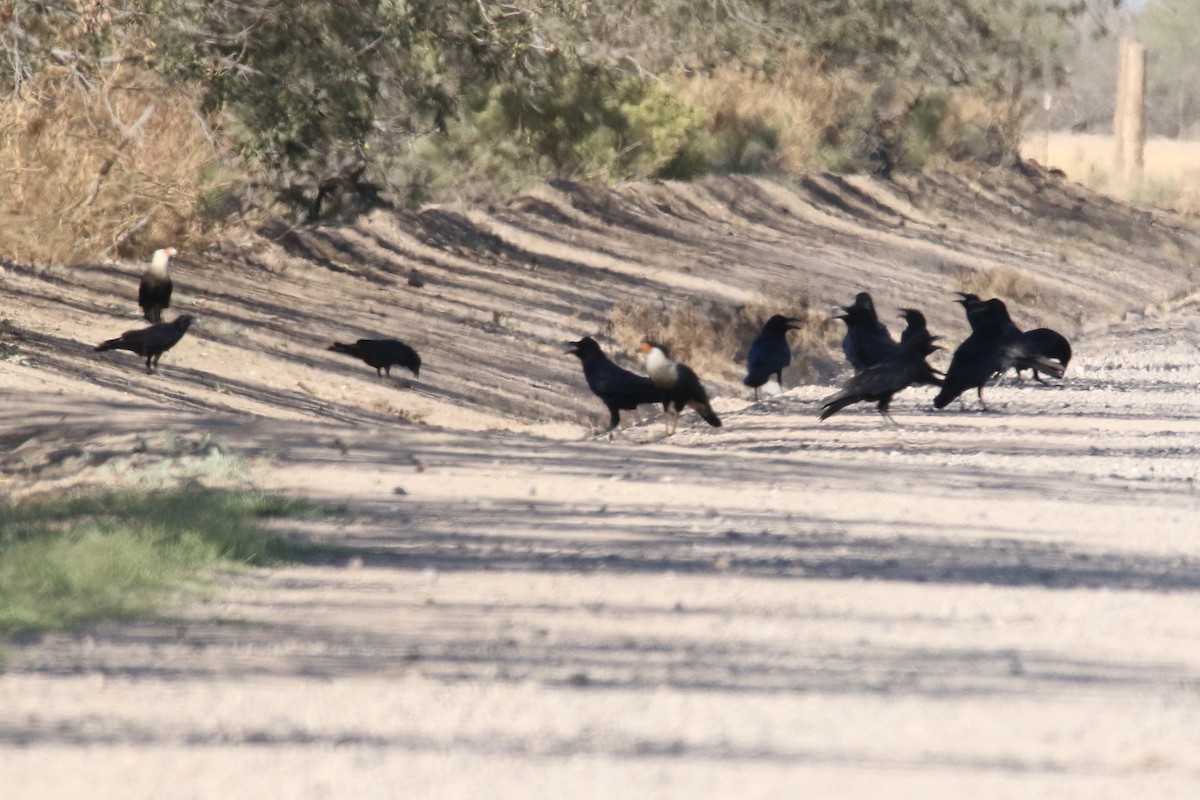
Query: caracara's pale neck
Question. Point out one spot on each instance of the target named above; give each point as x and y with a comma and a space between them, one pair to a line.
158, 264
660, 367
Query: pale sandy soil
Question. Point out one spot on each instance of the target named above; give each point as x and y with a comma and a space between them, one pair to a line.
995, 605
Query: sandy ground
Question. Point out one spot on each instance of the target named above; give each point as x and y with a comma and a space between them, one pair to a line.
1002, 604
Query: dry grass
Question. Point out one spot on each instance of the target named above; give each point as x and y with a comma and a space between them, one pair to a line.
713, 338
798, 103
1003, 282
115, 167
1171, 176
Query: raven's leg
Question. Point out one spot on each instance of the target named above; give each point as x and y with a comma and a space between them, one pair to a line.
984, 406
883, 410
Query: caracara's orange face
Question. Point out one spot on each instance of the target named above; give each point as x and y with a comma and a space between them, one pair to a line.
645, 347
170, 251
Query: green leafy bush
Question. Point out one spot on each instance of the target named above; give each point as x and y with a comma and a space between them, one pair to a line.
582, 121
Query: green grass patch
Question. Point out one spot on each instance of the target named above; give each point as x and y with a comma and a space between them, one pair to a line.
70, 562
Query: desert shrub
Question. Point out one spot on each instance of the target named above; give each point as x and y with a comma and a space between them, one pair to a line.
767, 115
584, 121
793, 114
713, 337
1005, 282
120, 169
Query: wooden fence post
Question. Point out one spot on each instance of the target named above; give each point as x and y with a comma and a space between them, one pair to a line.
1129, 120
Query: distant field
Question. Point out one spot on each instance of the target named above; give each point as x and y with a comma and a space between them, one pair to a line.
1172, 166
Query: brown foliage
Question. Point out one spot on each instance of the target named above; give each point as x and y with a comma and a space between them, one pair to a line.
116, 167
1004, 282
713, 337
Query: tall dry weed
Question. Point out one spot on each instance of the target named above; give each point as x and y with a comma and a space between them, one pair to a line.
114, 167
1004, 281
797, 102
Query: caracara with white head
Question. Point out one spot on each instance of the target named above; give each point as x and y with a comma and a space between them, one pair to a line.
678, 385
154, 292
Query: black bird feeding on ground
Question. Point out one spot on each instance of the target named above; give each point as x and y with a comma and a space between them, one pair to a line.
152, 342
154, 290
1038, 350
1046, 344
679, 386
620, 389
867, 340
880, 382
382, 354
978, 358
769, 353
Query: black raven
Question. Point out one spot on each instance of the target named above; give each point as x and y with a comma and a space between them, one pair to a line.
620, 389
769, 352
382, 354
1037, 349
880, 382
152, 342
978, 358
867, 340
1047, 344
915, 324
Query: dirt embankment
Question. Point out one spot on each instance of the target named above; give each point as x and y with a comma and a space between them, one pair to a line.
487, 296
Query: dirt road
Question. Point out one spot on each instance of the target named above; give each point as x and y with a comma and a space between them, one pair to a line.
1002, 604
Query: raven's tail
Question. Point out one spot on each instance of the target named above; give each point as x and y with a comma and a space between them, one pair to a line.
706, 413
835, 404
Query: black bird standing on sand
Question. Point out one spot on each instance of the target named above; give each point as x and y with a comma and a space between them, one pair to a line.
154, 291
620, 389
769, 353
915, 324
867, 340
972, 305
880, 382
382, 354
678, 384
152, 342
978, 357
